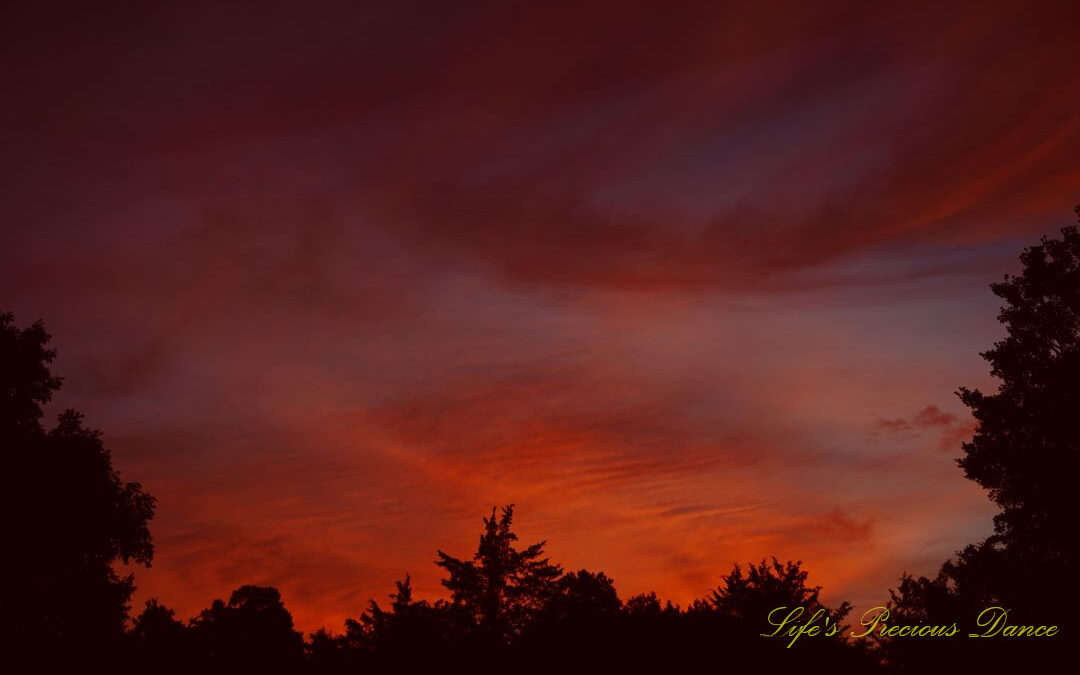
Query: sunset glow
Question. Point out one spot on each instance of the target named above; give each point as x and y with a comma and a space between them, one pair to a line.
689, 287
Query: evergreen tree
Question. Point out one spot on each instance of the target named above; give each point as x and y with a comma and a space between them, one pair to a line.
502, 587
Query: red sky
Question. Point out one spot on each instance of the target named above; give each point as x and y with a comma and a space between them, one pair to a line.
691, 283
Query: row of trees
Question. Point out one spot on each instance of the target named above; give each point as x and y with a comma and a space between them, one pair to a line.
507, 605
69, 518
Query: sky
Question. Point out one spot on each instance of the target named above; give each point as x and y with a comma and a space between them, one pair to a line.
691, 284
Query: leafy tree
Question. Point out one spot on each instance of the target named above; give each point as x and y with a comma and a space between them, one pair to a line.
68, 516
724, 628
580, 622
157, 622
583, 597
1025, 445
1027, 440
740, 609
411, 634
751, 595
253, 632
644, 604
160, 642
328, 653
1028, 432
26, 382
502, 587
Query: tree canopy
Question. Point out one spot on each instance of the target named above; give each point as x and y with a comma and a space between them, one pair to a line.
68, 512
1023, 452
1028, 433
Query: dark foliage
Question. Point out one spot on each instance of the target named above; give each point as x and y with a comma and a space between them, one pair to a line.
502, 587
1024, 452
159, 642
68, 515
513, 606
252, 632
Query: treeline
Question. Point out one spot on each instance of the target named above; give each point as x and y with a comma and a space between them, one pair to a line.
69, 518
506, 605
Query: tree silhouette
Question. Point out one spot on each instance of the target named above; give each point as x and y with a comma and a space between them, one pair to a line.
159, 642
411, 633
1028, 432
329, 653
646, 605
68, 517
752, 595
1023, 451
501, 588
580, 623
747, 599
26, 382
583, 597
253, 632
